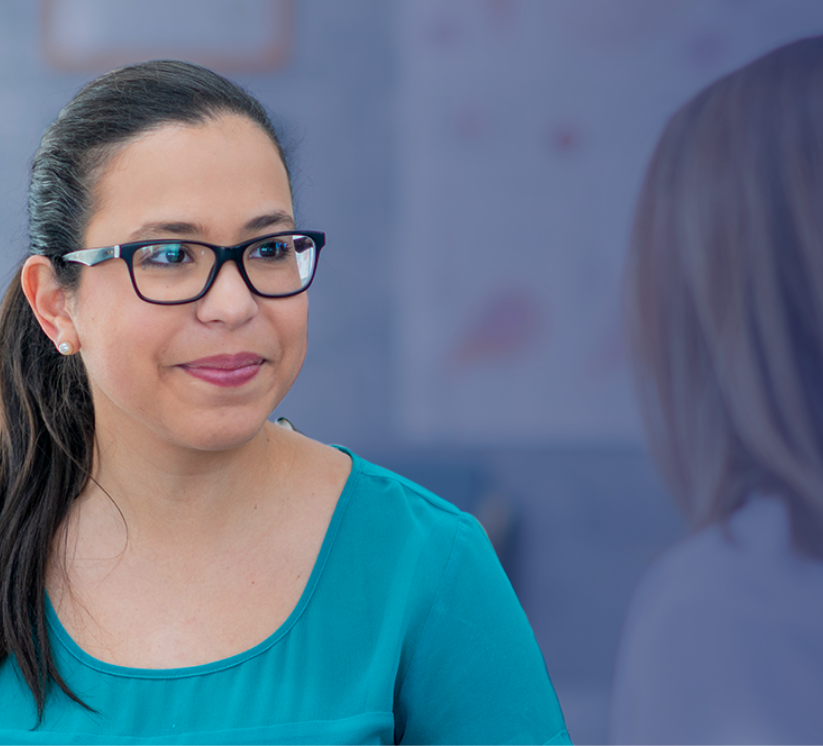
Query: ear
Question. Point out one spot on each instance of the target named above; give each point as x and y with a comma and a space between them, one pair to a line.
49, 301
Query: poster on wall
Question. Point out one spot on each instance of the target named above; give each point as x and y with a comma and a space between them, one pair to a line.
524, 130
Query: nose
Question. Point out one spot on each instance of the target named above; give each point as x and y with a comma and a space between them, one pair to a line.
229, 300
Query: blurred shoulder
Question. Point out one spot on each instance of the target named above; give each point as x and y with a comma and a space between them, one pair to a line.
716, 628
746, 570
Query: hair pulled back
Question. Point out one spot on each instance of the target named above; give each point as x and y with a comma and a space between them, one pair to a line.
46, 408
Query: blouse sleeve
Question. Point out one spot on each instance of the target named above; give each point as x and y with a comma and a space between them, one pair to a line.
477, 674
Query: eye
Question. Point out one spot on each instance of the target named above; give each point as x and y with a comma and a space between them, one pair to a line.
272, 248
172, 254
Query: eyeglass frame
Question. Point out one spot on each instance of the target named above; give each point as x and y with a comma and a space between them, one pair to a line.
223, 254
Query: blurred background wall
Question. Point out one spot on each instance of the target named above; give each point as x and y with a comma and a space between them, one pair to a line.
474, 165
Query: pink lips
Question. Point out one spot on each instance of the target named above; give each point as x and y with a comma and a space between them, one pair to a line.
225, 370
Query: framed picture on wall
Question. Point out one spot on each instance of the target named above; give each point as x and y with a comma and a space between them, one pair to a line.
237, 36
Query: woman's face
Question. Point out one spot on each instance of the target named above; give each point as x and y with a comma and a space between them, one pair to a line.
203, 375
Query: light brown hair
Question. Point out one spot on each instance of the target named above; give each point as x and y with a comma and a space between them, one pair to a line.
725, 292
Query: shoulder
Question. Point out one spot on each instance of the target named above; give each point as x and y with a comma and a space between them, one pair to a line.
414, 544
721, 577
716, 627
409, 551
394, 502
412, 525
393, 533
367, 488
451, 552
466, 666
691, 578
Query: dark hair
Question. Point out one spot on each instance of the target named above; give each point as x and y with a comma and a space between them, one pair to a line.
726, 292
46, 408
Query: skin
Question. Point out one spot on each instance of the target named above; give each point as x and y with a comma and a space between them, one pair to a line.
202, 514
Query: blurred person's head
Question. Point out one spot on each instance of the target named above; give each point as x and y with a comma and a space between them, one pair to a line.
725, 292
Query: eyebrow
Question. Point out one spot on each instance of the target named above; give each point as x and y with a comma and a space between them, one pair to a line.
267, 221
183, 228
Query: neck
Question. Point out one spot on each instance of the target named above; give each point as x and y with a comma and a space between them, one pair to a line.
159, 493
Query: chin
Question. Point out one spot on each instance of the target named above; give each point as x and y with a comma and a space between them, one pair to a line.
219, 434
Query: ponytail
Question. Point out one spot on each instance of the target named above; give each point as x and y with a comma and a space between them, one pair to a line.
46, 439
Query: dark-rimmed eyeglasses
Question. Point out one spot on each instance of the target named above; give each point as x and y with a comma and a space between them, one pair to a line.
170, 271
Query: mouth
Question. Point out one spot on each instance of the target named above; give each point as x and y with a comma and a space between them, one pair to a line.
225, 370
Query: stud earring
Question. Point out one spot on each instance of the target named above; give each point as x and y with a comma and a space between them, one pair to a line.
65, 348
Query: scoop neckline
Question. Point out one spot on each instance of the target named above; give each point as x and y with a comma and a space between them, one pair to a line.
74, 650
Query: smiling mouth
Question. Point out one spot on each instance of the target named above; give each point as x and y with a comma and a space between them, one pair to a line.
225, 370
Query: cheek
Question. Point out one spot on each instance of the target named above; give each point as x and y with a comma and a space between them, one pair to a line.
122, 368
291, 324
121, 344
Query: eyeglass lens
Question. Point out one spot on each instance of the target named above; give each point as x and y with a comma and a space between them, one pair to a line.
280, 265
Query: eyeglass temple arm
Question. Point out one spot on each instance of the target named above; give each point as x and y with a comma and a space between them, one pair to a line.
90, 257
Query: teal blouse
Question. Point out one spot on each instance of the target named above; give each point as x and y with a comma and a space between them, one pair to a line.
408, 631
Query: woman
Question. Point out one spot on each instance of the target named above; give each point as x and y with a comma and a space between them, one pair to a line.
722, 643
173, 567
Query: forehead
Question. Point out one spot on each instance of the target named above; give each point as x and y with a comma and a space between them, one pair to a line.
217, 175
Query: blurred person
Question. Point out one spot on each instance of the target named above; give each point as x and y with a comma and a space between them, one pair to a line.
722, 642
173, 567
